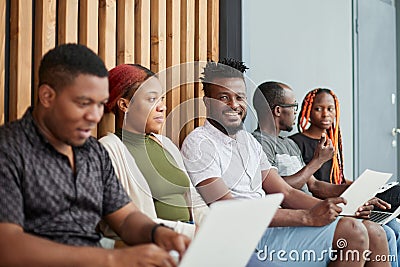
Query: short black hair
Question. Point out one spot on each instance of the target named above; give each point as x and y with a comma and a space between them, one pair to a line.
226, 68
272, 92
61, 65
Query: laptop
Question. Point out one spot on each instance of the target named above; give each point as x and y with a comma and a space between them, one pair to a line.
362, 190
383, 217
230, 233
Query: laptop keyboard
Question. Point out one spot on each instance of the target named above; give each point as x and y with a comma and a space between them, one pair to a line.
379, 216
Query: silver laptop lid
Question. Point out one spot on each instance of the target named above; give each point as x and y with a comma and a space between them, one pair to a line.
230, 232
362, 190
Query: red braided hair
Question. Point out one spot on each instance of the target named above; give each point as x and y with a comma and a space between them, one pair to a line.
333, 133
124, 80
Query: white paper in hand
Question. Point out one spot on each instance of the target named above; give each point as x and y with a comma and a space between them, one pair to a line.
362, 190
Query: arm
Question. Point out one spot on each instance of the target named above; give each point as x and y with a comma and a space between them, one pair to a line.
18, 248
135, 228
309, 211
323, 152
321, 189
21, 249
273, 183
214, 189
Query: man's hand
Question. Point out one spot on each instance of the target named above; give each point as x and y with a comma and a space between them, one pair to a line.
142, 255
364, 211
324, 150
170, 240
325, 212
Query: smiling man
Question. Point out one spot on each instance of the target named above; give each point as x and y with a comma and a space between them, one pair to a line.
57, 182
225, 162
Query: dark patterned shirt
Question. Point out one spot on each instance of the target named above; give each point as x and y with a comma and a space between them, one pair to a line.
40, 192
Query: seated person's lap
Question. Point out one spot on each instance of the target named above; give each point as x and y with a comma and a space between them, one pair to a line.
298, 243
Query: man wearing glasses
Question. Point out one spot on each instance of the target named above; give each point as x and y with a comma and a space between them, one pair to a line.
283, 152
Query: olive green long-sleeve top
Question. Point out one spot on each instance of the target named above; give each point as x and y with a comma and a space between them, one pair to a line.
168, 184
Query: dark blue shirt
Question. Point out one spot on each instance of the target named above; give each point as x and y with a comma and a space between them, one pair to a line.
40, 192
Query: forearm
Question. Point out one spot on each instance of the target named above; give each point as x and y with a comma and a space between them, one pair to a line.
20, 249
296, 199
288, 217
136, 229
302, 177
325, 190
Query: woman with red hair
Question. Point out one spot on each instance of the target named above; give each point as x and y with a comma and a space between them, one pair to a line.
148, 164
320, 113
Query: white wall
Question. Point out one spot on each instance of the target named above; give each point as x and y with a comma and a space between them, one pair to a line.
306, 44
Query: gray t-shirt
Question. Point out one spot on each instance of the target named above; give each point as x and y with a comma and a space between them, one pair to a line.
282, 153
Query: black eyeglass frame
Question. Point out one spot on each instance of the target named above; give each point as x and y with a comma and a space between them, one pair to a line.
295, 106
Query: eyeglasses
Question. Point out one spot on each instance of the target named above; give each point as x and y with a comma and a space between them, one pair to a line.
295, 106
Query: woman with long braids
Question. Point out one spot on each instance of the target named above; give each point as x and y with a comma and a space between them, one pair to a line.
320, 113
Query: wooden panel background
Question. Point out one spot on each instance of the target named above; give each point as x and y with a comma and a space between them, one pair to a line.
158, 34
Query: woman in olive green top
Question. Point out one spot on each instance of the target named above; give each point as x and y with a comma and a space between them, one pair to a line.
137, 100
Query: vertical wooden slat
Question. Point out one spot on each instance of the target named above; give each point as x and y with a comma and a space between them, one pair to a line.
187, 57
45, 34
142, 32
89, 24
200, 54
21, 57
213, 29
125, 31
107, 51
158, 48
173, 73
88, 29
2, 57
68, 21
158, 30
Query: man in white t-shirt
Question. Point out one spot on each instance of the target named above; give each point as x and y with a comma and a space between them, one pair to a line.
226, 162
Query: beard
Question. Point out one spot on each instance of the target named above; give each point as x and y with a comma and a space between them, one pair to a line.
289, 128
228, 129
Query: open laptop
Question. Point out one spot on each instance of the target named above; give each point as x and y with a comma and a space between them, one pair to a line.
383, 217
229, 234
362, 190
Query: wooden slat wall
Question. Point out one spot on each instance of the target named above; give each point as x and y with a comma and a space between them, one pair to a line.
200, 54
20, 57
126, 37
142, 32
159, 34
187, 55
107, 50
89, 28
2, 57
68, 21
45, 33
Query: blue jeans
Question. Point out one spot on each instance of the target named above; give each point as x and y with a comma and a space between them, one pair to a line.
392, 230
297, 246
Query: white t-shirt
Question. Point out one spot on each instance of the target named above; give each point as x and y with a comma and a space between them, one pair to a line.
208, 153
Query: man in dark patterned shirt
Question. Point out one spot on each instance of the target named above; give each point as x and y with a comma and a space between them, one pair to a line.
57, 182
